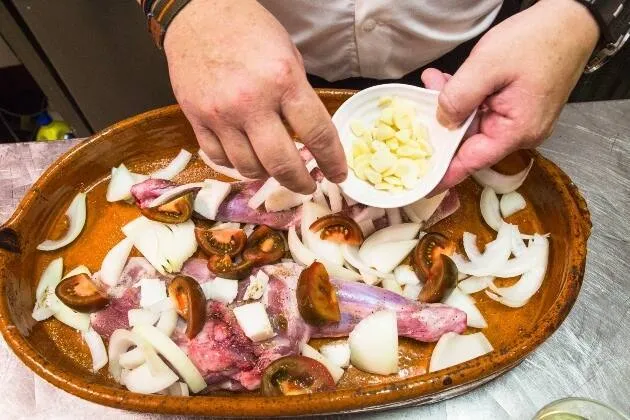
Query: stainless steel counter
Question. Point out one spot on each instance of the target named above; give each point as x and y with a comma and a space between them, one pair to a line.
588, 356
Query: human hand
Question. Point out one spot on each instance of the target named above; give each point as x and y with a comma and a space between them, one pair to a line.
236, 74
520, 74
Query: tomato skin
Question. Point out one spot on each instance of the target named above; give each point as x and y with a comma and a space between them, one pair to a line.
317, 297
338, 228
295, 375
222, 266
81, 294
264, 246
190, 303
177, 210
221, 241
425, 256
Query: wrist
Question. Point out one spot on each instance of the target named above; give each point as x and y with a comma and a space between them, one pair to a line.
579, 21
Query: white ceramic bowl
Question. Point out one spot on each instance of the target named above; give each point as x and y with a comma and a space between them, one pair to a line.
364, 107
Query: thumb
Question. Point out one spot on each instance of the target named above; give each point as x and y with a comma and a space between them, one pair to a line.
477, 152
474, 81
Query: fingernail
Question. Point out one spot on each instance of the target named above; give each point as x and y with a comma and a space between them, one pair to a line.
445, 120
339, 177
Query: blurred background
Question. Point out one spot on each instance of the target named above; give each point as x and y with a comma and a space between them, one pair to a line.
73, 67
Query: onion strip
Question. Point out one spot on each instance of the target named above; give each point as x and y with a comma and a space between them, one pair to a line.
222, 170
500, 183
175, 192
76, 215
97, 349
489, 205
176, 166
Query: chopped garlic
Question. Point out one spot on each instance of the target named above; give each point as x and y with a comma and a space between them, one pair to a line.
257, 286
393, 154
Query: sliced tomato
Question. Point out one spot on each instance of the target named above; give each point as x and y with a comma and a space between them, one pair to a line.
178, 210
338, 228
223, 266
426, 256
441, 280
264, 246
220, 241
81, 294
317, 297
295, 375
190, 303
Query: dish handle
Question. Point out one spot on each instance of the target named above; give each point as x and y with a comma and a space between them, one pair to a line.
9, 239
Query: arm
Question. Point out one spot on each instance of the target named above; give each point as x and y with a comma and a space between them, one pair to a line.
237, 76
520, 74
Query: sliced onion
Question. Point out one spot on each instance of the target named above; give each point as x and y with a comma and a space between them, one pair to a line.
470, 246
210, 197
500, 183
65, 315
176, 166
249, 229
507, 302
120, 342
259, 197
494, 257
453, 349
335, 371
163, 305
283, 198
119, 187
50, 278
223, 170
221, 290
367, 227
176, 192
79, 269
386, 256
490, 208
474, 284
393, 216
175, 356
351, 255
337, 352
142, 317
132, 358
396, 233
324, 250
167, 322
142, 381
97, 349
511, 203
412, 291
518, 245
228, 226
369, 278
371, 213
178, 389
530, 282
334, 196
374, 343
114, 262
319, 198
76, 214
457, 299
423, 209
404, 274
392, 285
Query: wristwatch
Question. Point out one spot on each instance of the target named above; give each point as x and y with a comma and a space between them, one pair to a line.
613, 18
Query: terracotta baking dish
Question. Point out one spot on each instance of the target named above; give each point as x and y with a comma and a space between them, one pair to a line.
56, 353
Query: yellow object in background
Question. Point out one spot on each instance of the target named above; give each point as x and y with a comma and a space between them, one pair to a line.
50, 130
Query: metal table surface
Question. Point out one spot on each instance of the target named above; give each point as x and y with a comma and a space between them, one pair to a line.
588, 356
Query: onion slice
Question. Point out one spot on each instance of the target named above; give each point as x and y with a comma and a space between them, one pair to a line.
223, 170
453, 349
143, 381
175, 192
114, 262
494, 257
167, 322
283, 198
351, 255
396, 233
500, 183
269, 187
423, 209
369, 213
174, 167
335, 371
97, 349
76, 214
367, 227
386, 256
374, 343
175, 356
119, 187
210, 197
132, 358
489, 205
511, 203
50, 278
474, 284
324, 250
457, 299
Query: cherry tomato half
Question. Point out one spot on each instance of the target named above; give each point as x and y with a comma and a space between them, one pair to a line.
264, 246
443, 278
223, 266
177, 210
317, 297
220, 241
425, 257
295, 375
338, 228
81, 294
190, 303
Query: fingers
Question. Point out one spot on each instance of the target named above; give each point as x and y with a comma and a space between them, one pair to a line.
311, 122
278, 154
240, 152
211, 145
473, 82
434, 79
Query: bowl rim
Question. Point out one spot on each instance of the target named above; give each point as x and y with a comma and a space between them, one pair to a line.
409, 391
